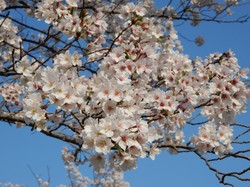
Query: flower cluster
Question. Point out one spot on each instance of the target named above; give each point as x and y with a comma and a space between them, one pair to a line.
5, 3
2, 5
73, 22
8, 35
217, 6
11, 185
228, 94
104, 177
11, 93
211, 138
131, 137
201, 3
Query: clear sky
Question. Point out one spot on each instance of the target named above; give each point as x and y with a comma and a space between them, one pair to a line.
21, 148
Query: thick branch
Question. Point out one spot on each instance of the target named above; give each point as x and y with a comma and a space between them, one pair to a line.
11, 118
6, 74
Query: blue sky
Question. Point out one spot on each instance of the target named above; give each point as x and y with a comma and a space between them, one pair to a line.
21, 148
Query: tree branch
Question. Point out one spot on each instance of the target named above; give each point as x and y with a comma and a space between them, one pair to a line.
11, 118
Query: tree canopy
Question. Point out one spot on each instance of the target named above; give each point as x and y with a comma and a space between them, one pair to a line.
111, 79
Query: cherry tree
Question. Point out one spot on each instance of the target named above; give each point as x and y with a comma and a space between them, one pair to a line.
111, 79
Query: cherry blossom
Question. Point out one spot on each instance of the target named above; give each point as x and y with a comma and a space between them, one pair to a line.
122, 87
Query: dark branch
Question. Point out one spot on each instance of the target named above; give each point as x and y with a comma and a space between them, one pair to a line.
11, 118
